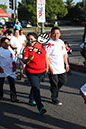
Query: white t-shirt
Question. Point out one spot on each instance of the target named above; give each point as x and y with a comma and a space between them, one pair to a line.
55, 52
16, 42
6, 59
23, 37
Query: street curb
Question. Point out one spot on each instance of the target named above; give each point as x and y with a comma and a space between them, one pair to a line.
80, 68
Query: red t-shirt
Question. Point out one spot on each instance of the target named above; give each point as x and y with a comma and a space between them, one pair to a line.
4, 31
37, 64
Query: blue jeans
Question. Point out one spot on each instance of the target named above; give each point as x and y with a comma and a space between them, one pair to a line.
35, 90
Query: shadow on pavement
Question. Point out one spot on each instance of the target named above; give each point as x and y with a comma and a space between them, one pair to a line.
17, 117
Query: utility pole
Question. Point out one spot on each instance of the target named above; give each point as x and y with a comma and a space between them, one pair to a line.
42, 27
41, 13
16, 11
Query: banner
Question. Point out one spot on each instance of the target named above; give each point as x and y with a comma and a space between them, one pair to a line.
40, 11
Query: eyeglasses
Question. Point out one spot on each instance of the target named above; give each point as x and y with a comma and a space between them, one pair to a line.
6, 43
31, 41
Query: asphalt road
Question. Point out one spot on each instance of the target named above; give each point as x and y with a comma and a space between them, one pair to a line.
74, 36
71, 115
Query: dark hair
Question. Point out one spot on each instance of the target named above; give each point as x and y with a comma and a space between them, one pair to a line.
10, 32
6, 32
54, 28
3, 39
20, 30
65, 42
15, 30
33, 34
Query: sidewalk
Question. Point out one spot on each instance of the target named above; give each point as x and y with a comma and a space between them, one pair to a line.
76, 62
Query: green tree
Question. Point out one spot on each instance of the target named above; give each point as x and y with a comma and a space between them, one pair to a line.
4, 7
27, 11
69, 3
77, 13
80, 11
53, 10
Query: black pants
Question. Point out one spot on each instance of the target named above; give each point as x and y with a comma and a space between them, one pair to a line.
56, 82
83, 52
11, 83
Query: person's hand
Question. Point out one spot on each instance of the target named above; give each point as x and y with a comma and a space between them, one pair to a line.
14, 69
67, 68
51, 70
14, 66
30, 58
47, 70
43, 38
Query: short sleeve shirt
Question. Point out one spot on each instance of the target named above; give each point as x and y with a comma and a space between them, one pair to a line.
17, 26
37, 64
55, 51
6, 59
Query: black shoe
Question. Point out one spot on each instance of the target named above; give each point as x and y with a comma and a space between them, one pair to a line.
56, 102
13, 97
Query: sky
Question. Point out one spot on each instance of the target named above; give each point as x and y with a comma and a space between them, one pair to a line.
75, 1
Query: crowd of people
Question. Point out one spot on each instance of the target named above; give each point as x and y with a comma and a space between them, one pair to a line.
51, 58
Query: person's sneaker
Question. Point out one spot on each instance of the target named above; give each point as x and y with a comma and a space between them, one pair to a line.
42, 110
32, 103
57, 102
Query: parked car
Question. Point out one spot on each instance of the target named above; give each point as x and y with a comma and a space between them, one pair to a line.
49, 24
9, 24
26, 24
2, 22
1, 25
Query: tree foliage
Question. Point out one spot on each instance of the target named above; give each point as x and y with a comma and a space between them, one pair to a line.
69, 3
77, 13
53, 10
4, 7
27, 11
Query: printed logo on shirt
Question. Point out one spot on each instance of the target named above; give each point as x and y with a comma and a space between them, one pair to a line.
49, 45
62, 47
